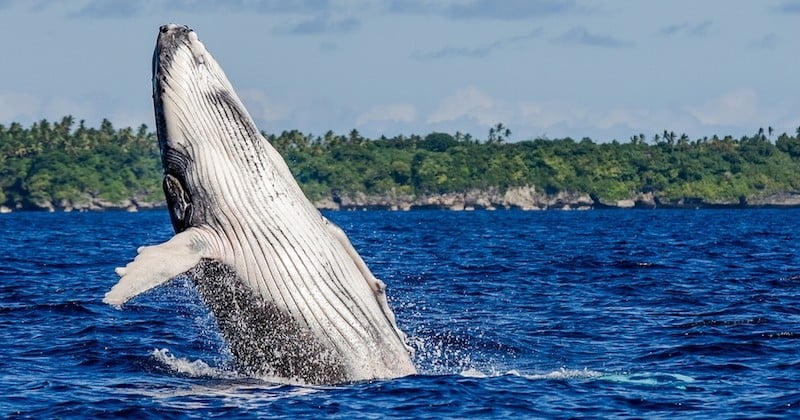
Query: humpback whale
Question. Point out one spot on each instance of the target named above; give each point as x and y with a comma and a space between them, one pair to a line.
290, 294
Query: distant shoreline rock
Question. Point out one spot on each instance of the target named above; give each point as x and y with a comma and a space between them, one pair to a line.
89, 204
529, 198
519, 198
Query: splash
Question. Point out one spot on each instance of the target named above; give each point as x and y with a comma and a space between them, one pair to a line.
200, 369
443, 355
560, 374
563, 374
193, 369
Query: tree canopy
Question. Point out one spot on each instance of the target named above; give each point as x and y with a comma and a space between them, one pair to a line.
53, 165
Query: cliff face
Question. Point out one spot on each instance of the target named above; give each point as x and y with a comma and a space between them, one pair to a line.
529, 198
525, 198
89, 203
522, 198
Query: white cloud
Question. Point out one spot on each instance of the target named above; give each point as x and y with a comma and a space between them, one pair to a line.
26, 108
124, 118
743, 111
732, 108
543, 114
581, 36
59, 106
262, 107
391, 112
471, 103
16, 107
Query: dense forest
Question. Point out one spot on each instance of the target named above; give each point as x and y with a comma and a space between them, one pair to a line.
64, 165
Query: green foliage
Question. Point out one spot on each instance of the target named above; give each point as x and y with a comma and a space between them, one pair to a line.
672, 167
48, 164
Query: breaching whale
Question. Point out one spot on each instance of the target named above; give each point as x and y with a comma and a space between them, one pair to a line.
291, 296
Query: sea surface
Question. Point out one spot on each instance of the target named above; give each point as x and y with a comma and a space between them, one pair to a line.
606, 313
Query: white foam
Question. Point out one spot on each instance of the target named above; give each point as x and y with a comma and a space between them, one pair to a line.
565, 374
650, 378
194, 369
200, 396
473, 373
560, 374
200, 369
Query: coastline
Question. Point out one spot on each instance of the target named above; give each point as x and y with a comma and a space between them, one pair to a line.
517, 198
529, 199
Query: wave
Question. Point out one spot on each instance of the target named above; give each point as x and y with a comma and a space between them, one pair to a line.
560, 374
194, 369
199, 369
658, 379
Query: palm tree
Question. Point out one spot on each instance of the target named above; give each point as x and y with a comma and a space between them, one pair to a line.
498, 133
355, 137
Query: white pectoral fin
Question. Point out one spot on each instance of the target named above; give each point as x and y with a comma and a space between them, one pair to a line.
377, 286
155, 265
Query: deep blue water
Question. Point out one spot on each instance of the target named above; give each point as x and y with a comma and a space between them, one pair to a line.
652, 314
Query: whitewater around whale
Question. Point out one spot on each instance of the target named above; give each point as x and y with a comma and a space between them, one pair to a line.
291, 296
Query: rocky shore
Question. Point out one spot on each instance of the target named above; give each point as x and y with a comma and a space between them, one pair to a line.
521, 198
90, 204
529, 198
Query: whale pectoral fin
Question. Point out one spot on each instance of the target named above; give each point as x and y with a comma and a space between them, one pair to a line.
155, 265
378, 287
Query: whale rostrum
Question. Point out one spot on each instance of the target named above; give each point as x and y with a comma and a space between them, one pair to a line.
290, 294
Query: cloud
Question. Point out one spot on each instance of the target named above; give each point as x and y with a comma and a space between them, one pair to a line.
473, 104
18, 106
26, 108
391, 112
789, 7
768, 41
599, 122
480, 51
697, 30
507, 9
548, 114
741, 111
249, 6
581, 36
473, 110
483, 9
111, 9
128, 8
127, 118
261, 107
59, 106
731, 108
322, 24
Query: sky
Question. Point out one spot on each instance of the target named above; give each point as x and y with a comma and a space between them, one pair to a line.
604, 69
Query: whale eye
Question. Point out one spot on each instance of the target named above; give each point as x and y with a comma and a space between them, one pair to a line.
164, 29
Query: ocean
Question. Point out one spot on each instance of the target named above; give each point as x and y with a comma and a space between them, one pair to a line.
554, 314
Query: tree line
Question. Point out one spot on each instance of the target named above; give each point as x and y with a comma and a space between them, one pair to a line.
51, 163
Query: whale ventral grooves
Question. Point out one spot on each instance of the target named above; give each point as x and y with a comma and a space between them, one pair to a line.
290, 294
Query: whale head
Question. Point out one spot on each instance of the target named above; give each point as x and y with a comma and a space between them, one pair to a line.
190, 86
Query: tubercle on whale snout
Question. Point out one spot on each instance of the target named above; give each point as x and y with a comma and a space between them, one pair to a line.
170, 39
